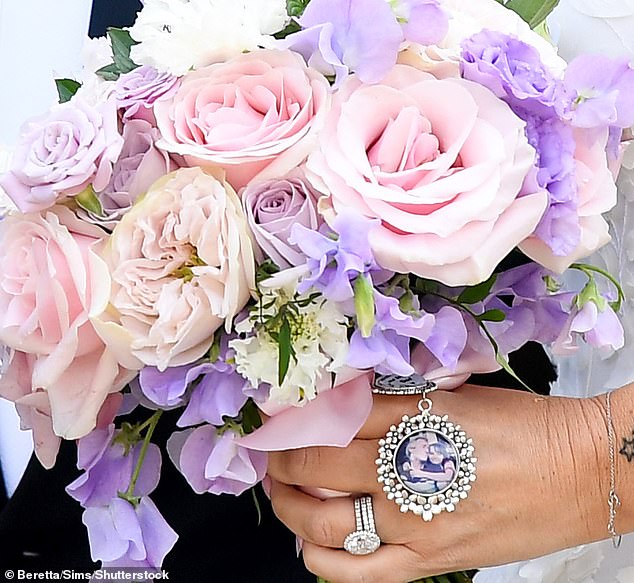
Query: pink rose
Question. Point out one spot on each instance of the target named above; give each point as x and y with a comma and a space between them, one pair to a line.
440, 162
33, 407
51, 282
596, 195
62, 152
254, 114
182, 266
272, 208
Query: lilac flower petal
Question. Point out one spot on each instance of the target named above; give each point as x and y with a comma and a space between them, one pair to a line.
164, 388
585, 319
448, 339
604, 87
427, 22
158, 536
219, 394
105, 542
91, 448
216, 463
360, 35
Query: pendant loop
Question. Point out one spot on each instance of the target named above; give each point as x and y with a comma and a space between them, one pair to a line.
425, 405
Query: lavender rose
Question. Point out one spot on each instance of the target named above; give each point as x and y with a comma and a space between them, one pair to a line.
140, 165
272, 208
137, 91
62, 152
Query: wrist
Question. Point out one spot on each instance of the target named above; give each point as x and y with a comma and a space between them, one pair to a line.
580, 442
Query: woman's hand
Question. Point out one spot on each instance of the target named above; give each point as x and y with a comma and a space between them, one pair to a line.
542, 483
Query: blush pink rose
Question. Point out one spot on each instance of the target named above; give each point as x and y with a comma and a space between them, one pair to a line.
256, 114
182, 266
441, 163
51, 282
33, 407
596, 195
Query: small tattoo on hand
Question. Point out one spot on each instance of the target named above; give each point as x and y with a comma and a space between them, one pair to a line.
628, 448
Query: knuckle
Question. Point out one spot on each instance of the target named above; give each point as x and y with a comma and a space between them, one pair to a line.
290, 466
320, 530
299, 464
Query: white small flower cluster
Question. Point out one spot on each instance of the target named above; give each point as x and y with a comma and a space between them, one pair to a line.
318, 336
175, 36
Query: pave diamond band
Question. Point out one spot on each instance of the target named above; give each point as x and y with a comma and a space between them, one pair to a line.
364, 540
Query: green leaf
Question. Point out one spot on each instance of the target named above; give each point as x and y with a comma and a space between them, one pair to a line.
122, 42
109, 72
284, 350
477, 293
492, 316
250, 417
87, 199
364, 304
66, 88
295, 8
534, 12
266, 270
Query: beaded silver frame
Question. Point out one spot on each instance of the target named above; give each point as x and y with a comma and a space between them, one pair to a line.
409, 500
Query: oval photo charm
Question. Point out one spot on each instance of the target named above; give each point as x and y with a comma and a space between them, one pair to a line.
426, 464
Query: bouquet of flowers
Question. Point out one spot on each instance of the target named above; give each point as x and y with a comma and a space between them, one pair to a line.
254, 206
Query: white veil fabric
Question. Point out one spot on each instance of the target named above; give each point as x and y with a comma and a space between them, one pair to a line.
39, 40
605, 27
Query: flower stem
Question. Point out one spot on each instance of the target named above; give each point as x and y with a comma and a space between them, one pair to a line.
151, 424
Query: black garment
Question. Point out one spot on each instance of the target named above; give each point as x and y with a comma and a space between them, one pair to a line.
3, 490
115, 13
220, 539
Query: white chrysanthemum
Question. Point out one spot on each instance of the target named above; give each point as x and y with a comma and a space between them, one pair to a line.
318, 335
96, 53
178, 35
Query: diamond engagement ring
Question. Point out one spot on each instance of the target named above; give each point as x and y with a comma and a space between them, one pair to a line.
364, 540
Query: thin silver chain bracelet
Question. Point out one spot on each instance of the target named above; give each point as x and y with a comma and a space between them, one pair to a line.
613, 499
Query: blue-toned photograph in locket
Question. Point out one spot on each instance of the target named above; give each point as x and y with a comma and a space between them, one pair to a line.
426, 462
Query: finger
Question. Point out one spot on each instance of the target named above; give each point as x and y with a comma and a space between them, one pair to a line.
390, 564
389, 409
350, 469
328, 522
462, 403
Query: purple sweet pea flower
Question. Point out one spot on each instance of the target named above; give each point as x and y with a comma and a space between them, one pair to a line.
338, 36
536, 313
137, 91
222, 392
599, 327
513, 70
423, 21
272, 208
387, 349
335, 262
122, 535
108, 471
602, 89
216, 463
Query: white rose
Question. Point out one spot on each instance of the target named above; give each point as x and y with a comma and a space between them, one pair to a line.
466, 18
593, 26
178, 35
